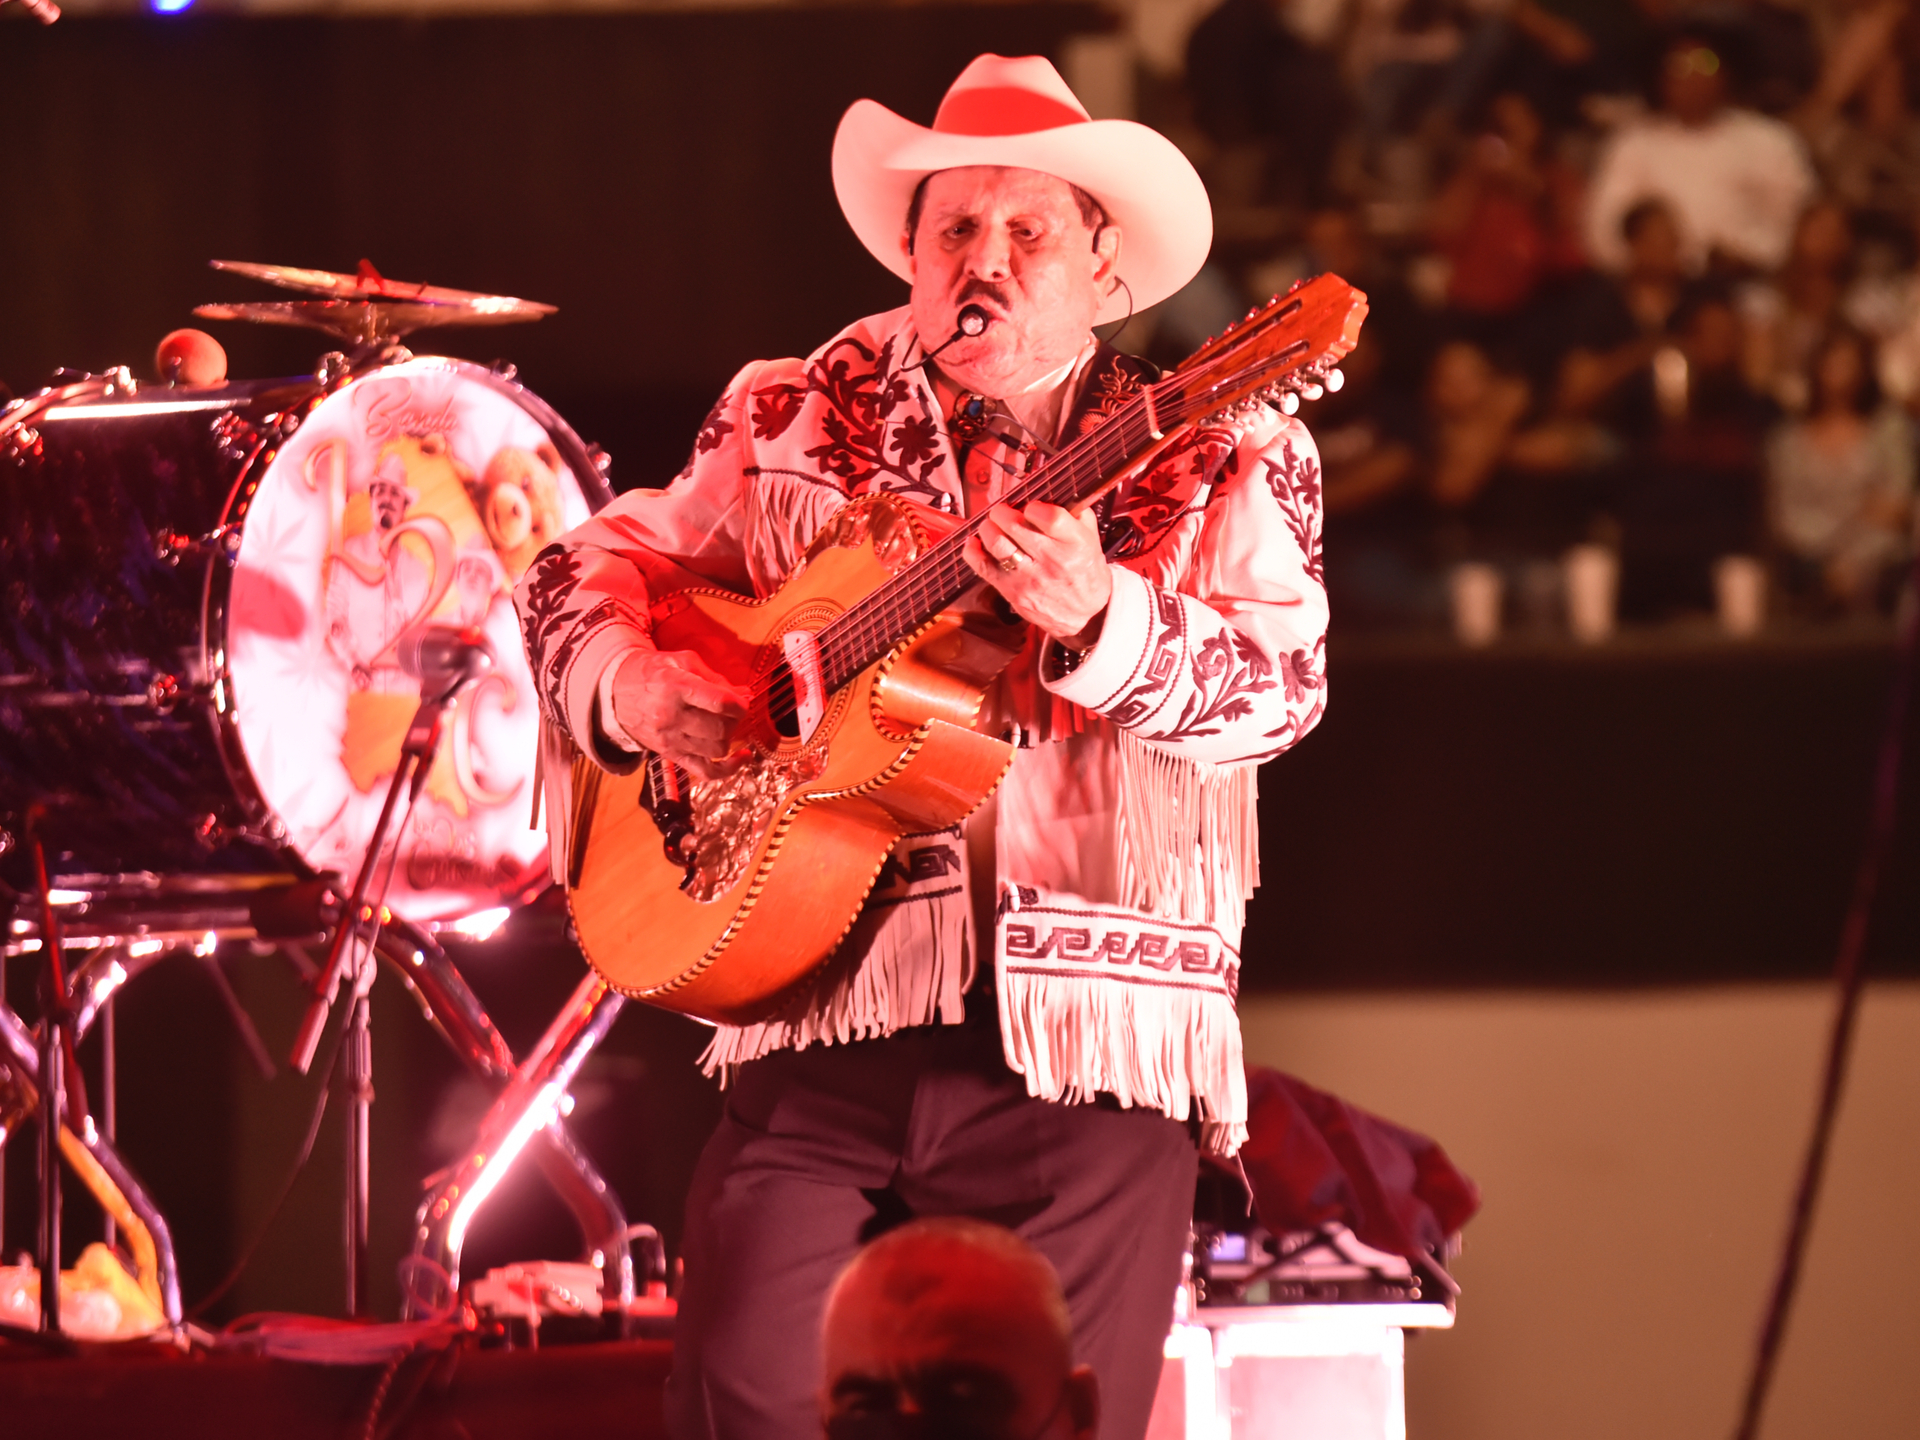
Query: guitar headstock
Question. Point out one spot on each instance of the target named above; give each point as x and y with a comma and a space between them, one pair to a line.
1283, 350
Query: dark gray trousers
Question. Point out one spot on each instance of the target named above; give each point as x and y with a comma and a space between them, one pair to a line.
822, 1149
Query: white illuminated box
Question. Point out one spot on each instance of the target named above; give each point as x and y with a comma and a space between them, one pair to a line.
1289, 1372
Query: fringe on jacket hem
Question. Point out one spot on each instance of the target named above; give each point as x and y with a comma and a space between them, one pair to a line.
1188, 841
1169, 1049
892, 986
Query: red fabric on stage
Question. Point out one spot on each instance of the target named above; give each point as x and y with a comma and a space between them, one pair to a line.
1312, 1157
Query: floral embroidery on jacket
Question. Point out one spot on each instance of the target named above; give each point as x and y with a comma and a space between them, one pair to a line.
1295, 483
1227, 669
863, 444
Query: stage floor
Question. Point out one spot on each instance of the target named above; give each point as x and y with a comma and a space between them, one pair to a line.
110, 1392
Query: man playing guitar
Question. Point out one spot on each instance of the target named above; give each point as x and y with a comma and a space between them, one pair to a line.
1032, 1020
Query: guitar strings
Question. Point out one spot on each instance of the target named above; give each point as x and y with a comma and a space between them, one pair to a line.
942, 572
863, 632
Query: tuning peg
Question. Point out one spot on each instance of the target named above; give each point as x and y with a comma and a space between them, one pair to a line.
1313, 390
1335, 379
1289, 403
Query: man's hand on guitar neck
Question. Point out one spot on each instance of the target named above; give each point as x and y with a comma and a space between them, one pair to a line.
1048, 563
676, 705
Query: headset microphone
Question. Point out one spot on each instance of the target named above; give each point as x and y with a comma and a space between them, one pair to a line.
972, 322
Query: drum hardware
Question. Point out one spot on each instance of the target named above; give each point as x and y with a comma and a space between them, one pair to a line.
56, 1072
430, 978
532, 1104
332, 371
351, 957
187, 813
366, 307
90, 1151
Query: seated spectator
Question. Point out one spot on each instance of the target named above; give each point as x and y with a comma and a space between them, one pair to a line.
953, 1329
1509, 486
1840, 485
1508, 219
1734, 179
1691, 489
1461, 475
1613, 324
1786, 316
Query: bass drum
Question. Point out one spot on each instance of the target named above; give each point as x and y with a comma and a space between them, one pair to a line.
204, 595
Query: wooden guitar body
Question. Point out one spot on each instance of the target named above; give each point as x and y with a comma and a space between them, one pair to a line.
783, 852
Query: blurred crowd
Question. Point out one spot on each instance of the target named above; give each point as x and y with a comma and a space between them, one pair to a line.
1645, 285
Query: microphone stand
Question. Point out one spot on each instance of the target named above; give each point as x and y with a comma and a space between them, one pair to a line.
352, 956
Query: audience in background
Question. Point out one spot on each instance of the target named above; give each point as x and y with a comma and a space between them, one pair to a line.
1840, 484
1734, 179
1643, 276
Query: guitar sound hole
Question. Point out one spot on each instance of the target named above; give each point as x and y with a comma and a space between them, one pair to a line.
781, 702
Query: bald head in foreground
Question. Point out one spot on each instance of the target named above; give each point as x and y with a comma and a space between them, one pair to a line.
953, 1329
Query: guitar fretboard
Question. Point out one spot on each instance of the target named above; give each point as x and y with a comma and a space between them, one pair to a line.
866, 631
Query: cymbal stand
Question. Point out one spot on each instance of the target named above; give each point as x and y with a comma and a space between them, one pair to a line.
143, 1228
56, 1051
352, 957
529, 1108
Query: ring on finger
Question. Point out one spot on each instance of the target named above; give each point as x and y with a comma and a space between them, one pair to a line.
1012, 560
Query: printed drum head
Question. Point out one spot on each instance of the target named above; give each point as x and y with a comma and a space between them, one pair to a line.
415, 495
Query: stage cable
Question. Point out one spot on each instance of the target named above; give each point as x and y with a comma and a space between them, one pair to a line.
1849, 974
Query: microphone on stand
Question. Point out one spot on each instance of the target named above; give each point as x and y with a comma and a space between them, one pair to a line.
442, 658
445, 657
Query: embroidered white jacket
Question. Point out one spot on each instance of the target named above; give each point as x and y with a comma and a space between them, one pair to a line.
1126, 842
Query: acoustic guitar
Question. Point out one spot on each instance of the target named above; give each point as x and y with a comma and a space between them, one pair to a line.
719, 898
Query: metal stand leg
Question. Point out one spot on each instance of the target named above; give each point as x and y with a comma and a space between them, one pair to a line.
109, 1094
145, 1227
53, 1088
55, 1044
453, 1009
527, 1108
357, 1067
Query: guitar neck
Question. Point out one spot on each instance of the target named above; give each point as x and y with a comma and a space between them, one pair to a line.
867, 631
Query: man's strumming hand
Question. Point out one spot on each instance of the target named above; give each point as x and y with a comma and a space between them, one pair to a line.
676, 705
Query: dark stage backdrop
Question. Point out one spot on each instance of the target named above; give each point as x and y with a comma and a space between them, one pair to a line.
663, 179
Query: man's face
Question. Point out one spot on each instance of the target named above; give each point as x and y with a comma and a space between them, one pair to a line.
1654, 246
389, 503
1014, 243
959, 1359
1693, 83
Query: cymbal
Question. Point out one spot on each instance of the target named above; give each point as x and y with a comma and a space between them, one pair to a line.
370, 284
358, 321
366, 306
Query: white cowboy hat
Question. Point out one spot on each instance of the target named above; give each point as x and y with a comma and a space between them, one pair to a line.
1019, 112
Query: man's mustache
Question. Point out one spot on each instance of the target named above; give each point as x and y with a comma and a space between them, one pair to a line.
983, 290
